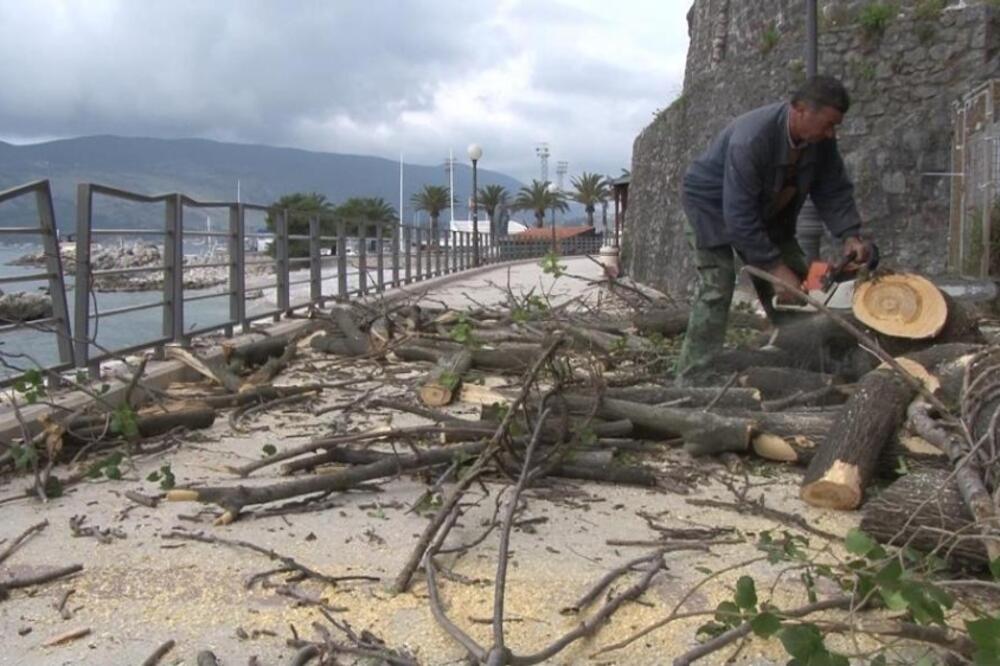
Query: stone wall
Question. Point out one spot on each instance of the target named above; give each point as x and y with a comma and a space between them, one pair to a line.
903, 81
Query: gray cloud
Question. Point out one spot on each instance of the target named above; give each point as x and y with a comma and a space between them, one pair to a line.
375, 77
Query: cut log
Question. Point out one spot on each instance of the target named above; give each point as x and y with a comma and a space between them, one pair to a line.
213, 369
255, 353
233, 498
706, 432
149, 424
515, 357
925, 510
842, 468
674, 320
441, 384
742, 398
901, 305
776, 383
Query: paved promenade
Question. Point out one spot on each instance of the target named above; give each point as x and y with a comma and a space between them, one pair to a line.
142, 588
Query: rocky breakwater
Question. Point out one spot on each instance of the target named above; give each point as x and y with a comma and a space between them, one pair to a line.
24, 306
134, 255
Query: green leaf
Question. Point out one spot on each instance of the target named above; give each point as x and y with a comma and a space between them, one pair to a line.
890, 573
746, 593
33, 377
878, 660
986, 658
728, 614
995, 568
704, 570
802, 641
893, 599
113, 472
711, 629
269, 449
985, 633
924, 609
53, 487
765, 625
153, 477
859, 543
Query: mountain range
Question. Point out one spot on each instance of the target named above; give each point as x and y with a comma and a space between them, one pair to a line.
209, 171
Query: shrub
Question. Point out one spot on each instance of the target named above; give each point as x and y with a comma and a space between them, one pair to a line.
875, 17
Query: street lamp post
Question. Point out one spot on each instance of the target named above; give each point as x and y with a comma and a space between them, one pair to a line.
552, 190
475, 152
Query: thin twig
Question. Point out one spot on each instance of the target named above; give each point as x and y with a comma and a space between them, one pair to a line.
287, 561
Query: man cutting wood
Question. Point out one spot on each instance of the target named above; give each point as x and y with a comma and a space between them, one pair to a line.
743, 195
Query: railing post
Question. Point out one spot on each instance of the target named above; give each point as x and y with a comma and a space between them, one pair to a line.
408, 240
53, 265
420, 253
395, 255
342, 260
429, 254
315, 264
447, 253
173, 279
465, 249
454, 251
281, 246
362, 258
437, 253
81, 314
237, 268
380, 260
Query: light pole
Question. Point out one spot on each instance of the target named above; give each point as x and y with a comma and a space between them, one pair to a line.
552, 189
475, 152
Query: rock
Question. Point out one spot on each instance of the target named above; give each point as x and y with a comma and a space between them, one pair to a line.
24, 306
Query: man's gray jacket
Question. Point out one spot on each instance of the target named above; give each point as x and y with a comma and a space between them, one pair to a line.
728, 189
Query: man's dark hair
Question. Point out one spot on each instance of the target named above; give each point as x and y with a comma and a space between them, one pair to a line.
820, 91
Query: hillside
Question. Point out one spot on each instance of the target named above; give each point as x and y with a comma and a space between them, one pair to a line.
209, 170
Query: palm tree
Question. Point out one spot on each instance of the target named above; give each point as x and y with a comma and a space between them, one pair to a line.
300, 206
538, 199
433, 199
491, 198
591, 189
369, 209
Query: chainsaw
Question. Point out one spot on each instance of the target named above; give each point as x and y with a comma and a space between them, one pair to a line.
829, 283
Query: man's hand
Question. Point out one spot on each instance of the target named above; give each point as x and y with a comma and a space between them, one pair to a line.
859, 251
791, 279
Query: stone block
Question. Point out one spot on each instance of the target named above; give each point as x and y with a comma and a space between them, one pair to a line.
894, 182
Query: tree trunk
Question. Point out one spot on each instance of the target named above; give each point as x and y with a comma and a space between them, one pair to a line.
508, 356
842, 468
717, 433
150, 424
782, 382
670, 321
443, 380
255, 353
742, 398
925, 510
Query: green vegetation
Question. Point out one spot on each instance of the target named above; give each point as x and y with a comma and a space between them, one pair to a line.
591, 189
876, 16
303, 206
492, 197
905, 582
769, 39
538, 199
929, 10
300, 206
432, 199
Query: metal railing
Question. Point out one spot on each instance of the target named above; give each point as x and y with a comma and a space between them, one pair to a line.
58, 322
313, 258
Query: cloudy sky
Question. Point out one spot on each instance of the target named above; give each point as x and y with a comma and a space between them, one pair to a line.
374, 77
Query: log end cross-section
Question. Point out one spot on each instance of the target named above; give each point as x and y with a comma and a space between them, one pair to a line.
901, 305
